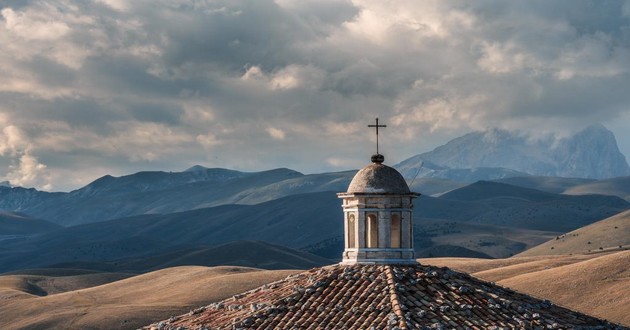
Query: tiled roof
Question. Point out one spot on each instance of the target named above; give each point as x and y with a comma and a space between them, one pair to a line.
382, 297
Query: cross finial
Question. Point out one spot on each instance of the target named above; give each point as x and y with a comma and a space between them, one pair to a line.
378, 158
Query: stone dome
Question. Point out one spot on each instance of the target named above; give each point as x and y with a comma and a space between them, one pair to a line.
377, 178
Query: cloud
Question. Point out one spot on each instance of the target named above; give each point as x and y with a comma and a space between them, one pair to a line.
33, 27
114, 86
24, 169
29, 172
276, 133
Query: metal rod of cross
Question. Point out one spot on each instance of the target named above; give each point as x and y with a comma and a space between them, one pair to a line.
377, 126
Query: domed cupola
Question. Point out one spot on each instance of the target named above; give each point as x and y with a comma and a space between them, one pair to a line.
378, 218
378, 178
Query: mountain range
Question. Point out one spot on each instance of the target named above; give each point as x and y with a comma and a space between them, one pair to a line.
590, 153
497, 220
151, 214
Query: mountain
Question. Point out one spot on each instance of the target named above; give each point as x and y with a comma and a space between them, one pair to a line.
294, 221
166, 192
313, 222
590, 153
255, 254
501, 204
605, 235
552, 184
613, 187
439, 238
15, 224
418, 167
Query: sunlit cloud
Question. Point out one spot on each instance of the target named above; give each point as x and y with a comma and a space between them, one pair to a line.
115, 86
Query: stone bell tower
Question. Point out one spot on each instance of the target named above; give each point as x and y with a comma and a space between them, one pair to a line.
378, 219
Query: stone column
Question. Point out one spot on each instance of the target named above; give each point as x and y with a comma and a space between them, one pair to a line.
384, 229
406, 230
361, 218
345, 230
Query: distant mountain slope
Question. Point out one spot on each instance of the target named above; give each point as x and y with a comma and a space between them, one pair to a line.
591, 153
12, 224
552, 184
160, 192
610, 233
314, 222
293, 221
439, 238
418, 167
255, 254
156, 180
613, 187
433, 186
167, 192
505, 205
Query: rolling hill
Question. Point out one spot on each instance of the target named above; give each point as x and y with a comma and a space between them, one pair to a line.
132, 302
566, 280
613, 187
254, 254
605, 280
608, 234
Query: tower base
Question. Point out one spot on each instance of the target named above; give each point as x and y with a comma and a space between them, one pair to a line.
379, 256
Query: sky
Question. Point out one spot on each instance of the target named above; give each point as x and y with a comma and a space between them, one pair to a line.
89, 88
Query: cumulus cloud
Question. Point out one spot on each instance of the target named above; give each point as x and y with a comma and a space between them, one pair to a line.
116, 86
276, 133
29, 172
24, 169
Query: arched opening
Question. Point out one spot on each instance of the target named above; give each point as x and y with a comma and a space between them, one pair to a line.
372, 231
395, 231
351, 232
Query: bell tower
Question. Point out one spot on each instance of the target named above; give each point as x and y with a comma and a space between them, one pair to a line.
378, 218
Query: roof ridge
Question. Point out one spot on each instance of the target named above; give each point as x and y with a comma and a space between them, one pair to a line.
393, 296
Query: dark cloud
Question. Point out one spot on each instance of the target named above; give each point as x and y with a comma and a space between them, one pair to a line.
115, 86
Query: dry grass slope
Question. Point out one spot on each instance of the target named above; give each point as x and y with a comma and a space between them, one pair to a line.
600, 286
46, 285
596, 284
619, 186
132, 302
608, 234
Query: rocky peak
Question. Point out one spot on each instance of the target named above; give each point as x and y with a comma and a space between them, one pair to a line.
590, 153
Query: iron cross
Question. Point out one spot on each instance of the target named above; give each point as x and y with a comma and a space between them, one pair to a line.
377, 126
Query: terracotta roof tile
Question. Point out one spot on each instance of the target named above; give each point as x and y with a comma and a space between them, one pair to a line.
382, 297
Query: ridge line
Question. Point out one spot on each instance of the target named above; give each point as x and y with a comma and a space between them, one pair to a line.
393, 296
